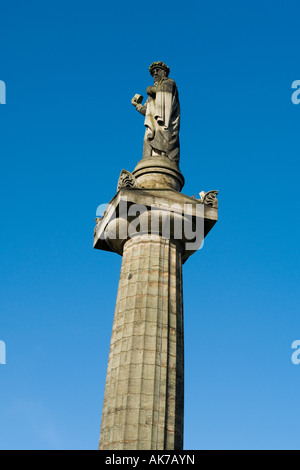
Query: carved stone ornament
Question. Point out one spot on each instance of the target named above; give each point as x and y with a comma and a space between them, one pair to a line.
97, 220
126, 180
209, 198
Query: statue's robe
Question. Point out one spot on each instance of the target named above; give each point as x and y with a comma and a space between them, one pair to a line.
162, 121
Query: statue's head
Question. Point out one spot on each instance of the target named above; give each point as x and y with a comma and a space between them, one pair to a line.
159, 70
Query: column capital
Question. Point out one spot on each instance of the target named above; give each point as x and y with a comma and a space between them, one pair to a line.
164, 212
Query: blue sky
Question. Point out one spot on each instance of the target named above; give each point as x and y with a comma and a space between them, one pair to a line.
66, 132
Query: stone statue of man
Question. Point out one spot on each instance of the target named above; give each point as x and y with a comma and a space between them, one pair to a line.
162, 115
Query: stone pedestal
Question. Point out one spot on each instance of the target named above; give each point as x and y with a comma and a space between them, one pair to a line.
143, 403
158, 173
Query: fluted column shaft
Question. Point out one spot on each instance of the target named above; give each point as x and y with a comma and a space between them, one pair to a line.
143, 401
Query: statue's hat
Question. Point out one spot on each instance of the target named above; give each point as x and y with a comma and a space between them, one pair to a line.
159, 65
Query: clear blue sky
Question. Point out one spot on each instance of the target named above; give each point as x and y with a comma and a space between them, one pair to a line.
66, 132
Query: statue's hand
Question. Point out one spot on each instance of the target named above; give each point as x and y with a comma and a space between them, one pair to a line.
137, 103
137, 99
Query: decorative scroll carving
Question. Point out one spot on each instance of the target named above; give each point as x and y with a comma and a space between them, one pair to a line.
209, 198
126, 180
97, 220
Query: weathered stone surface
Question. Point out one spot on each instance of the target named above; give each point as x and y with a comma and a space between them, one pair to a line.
143, 403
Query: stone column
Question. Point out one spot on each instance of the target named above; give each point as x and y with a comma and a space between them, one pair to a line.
143, 402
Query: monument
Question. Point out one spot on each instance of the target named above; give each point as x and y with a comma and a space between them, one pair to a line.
155, 228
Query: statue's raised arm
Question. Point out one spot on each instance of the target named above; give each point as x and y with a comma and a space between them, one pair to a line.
162, 115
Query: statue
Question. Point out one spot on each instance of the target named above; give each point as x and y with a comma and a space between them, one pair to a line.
162, 115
